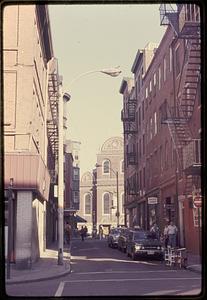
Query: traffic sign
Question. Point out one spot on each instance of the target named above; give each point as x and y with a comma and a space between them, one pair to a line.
197, 201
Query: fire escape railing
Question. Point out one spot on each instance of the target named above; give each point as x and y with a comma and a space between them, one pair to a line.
128, 117
177, 119
52, 121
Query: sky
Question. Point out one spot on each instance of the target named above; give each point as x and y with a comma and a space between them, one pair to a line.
95, 37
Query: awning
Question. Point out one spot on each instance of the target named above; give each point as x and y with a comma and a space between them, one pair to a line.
79, 219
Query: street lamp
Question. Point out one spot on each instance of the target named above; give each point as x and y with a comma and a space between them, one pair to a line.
63, 98
117, 191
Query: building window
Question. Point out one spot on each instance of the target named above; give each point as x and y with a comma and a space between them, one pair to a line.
106, 204
151, 129
177, 59
166, 154
75, 197
122, 166
106, 167
159, 78
155, 121
196, 216
165, 69
139, 116
122, 203
150, 86
146, 92
142, 110
87, 204
76, 173
171, 58
154, 80
143, 144
143, 177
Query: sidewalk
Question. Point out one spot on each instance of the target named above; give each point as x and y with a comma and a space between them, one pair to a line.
194, 263
45, 268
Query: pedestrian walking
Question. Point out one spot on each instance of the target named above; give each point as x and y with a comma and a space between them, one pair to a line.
165, 234
155, 230
82, 233
172, 234
67, 233
85, 231
100, 233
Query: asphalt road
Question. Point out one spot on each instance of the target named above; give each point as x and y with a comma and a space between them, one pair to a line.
98, 270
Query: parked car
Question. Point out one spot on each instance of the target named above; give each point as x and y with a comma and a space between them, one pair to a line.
113, 237
122, 239
144, 244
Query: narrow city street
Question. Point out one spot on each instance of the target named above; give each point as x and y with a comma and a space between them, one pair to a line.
97, 270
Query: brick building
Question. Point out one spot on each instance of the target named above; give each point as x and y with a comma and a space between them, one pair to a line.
30, 132
162, 125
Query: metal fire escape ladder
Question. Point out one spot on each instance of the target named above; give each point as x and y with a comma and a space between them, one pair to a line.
178, 118
190, 79
52, 128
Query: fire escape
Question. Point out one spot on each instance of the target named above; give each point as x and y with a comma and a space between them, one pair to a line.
185, 20
129, 124
52, 120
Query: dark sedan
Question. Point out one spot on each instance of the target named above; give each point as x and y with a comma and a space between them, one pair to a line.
113, 237
143, 244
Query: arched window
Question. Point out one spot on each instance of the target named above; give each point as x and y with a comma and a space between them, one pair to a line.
87, 204
106, 167
122, 166
106, 204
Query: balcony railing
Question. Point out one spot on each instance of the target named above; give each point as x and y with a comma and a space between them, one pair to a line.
189, 17
192, 156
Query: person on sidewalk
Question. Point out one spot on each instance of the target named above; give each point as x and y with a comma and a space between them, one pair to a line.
85, 231
67, 233
165, 234
100, 233
155, 230
82, 233
172, 234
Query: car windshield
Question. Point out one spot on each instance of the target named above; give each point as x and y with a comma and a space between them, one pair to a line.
144, 236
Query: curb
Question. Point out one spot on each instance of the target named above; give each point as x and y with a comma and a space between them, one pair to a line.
40, 279
193, 269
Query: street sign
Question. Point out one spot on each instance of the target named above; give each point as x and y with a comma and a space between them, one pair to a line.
197, 201
152, 200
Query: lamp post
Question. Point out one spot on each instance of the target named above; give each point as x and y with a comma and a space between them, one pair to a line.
63, 98
117, 192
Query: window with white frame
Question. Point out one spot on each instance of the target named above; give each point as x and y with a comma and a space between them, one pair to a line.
155, 122
150, 86
159, 78
154, 79
106, 204
197, 217
146, 92
122, 166
106, 167
164, 69
87, 204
